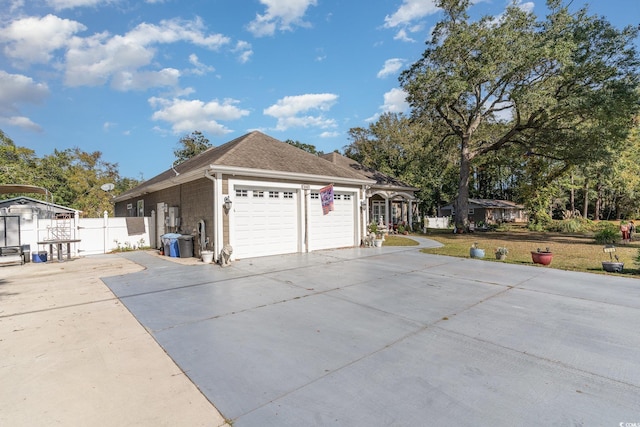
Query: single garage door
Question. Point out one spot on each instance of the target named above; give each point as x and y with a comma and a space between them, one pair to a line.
265, 222
337, 228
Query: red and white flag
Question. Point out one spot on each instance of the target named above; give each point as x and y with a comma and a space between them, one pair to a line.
326, 198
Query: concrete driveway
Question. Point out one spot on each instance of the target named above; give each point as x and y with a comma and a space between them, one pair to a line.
394, 337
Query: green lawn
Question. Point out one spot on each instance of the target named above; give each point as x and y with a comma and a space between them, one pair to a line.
570, 252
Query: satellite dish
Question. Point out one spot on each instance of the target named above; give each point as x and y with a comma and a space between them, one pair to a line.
108, 186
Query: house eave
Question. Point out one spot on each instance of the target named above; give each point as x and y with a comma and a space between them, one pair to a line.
181, 178
262, 173
185, 177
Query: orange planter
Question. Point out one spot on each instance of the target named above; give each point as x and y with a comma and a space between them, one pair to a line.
543, 258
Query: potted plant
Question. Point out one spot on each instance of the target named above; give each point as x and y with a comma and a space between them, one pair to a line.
612, 266
475, 251
501, 253
207, 256
542, 257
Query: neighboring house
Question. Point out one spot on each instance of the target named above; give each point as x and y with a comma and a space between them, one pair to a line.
490, 211
257, 194
390, 200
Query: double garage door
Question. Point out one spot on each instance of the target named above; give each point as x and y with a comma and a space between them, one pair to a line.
270, 221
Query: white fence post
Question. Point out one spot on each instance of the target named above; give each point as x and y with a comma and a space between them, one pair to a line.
105, 225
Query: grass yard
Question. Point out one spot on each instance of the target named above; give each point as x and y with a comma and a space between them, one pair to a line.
570, 252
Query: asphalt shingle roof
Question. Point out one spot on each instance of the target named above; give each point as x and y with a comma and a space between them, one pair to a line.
254, 150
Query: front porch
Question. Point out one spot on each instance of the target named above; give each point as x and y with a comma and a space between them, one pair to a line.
391, 209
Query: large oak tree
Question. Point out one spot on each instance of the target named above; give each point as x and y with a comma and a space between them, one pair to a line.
563, 88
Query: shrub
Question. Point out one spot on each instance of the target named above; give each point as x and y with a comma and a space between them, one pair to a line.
535, 226
606, 234
571, 225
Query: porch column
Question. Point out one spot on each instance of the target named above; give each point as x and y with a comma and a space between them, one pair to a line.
411, 214
387, 209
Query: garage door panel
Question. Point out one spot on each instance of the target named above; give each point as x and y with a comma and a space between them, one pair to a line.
335, 229
265, 225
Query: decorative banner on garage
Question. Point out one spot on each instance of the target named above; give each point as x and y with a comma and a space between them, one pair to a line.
326, 198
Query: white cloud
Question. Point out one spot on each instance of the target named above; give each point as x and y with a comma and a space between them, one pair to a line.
395, 101
329, 134
405, 18
189, 115
403, 36
290, 109
14, 6
280, 15
390, 67
125, 81
410, 11
21, 122
244, 51
33, 40
527, 6
16, 89
200, 68
69, 4
95, 60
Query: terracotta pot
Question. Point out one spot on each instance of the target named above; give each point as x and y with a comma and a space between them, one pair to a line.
543, 258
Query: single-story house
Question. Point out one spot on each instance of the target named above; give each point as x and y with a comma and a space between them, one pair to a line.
390, 201
257, 194
490, 211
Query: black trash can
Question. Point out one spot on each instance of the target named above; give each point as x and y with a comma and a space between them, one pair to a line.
185, 243
26, 253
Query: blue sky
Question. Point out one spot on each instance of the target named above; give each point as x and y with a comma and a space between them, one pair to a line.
129, 78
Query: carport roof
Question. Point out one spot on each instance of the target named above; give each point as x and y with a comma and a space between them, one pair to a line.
253, 151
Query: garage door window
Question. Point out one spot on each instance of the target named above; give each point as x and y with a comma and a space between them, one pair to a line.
257, 193
241, 193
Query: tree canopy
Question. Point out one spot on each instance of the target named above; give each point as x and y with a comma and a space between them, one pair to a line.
563, 89
74, 177
309, 148
191, 145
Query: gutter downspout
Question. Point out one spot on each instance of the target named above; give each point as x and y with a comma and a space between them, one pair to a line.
365, 211
216, 214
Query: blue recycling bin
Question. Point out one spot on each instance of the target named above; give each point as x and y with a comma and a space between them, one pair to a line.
170, 243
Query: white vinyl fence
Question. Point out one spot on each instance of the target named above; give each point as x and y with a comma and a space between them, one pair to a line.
103, 235
95, 235
436, 222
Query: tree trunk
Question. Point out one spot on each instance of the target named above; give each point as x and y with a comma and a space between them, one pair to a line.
585, 207
462, 203
598, 208
572, 198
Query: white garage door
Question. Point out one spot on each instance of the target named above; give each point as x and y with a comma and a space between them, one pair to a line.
265, 222
337, 228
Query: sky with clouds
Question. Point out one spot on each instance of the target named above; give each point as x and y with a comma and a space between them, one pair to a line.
130, 77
